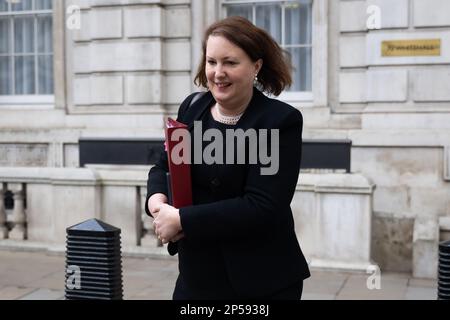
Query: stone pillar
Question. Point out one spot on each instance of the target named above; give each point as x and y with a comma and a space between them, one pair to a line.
444, 228
343, 221
3, 228
334, 215
120, 200
425, 247
19, 219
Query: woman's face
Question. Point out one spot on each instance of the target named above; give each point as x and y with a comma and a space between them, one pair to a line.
230, 72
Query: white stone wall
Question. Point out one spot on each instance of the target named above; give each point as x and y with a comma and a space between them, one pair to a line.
119, 75
366, 77
404, 108
129, 55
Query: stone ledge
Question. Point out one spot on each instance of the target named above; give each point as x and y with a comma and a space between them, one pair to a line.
320, 264
102, 3
335, 183
400, 137
59, 250
114, 175
55, 176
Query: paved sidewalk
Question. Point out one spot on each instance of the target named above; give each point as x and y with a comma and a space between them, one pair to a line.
39, 276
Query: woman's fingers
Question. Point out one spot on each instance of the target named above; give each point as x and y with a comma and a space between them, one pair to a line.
165, 228
157, 207
177, 237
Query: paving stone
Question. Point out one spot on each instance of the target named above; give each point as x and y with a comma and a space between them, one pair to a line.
416, 293
36, 275
360, 281
429, 283
44, 294
330, 274
21, 277
322, 286
55, 281
385, 293
12, 292
317, 296
153, 293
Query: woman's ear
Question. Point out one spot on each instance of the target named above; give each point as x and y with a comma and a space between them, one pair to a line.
258, 65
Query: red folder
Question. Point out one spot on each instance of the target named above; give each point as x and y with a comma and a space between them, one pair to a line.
179, 179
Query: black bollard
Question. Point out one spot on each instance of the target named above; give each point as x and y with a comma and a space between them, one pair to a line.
93, 262
444, 271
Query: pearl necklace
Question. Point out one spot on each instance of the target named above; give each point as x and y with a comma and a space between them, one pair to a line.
231, 120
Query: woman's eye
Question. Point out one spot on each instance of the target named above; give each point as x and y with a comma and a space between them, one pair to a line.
211, 62
231, 62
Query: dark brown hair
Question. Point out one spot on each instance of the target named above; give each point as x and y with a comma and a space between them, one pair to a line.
275, 73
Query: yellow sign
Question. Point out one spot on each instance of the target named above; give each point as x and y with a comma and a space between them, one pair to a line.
408, 48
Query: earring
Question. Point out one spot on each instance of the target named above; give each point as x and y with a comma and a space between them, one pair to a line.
255, 81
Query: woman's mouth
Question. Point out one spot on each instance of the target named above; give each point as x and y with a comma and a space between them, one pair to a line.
223, 85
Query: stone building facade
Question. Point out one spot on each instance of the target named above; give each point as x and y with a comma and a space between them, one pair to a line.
121, 66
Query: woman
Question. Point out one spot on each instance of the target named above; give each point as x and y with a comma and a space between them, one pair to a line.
238, 239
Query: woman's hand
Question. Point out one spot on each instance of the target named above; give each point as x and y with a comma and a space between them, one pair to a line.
167, 223
177, 237
154, 202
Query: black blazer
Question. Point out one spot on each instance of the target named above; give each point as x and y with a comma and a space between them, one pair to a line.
248, 213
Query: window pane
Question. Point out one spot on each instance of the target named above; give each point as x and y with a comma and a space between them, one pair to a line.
301, 60
4, 39
240, 10
5, 75
45, 71
298, 23
3, 5
43, 4
268, 17
24, 35
44, 34
22, 5
26, 43
24, 72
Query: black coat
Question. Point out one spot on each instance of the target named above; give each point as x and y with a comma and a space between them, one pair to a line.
244, 214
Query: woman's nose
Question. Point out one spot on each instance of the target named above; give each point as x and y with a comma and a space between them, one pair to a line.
219, 72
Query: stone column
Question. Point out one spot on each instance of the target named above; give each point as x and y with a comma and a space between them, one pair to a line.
334, 219
3, 228
19, 219
425, 247
343, 221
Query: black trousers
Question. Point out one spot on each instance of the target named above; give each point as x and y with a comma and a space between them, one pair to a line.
293, 292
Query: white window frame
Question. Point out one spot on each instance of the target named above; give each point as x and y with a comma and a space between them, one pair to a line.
36, 101
23, 101
318, 96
